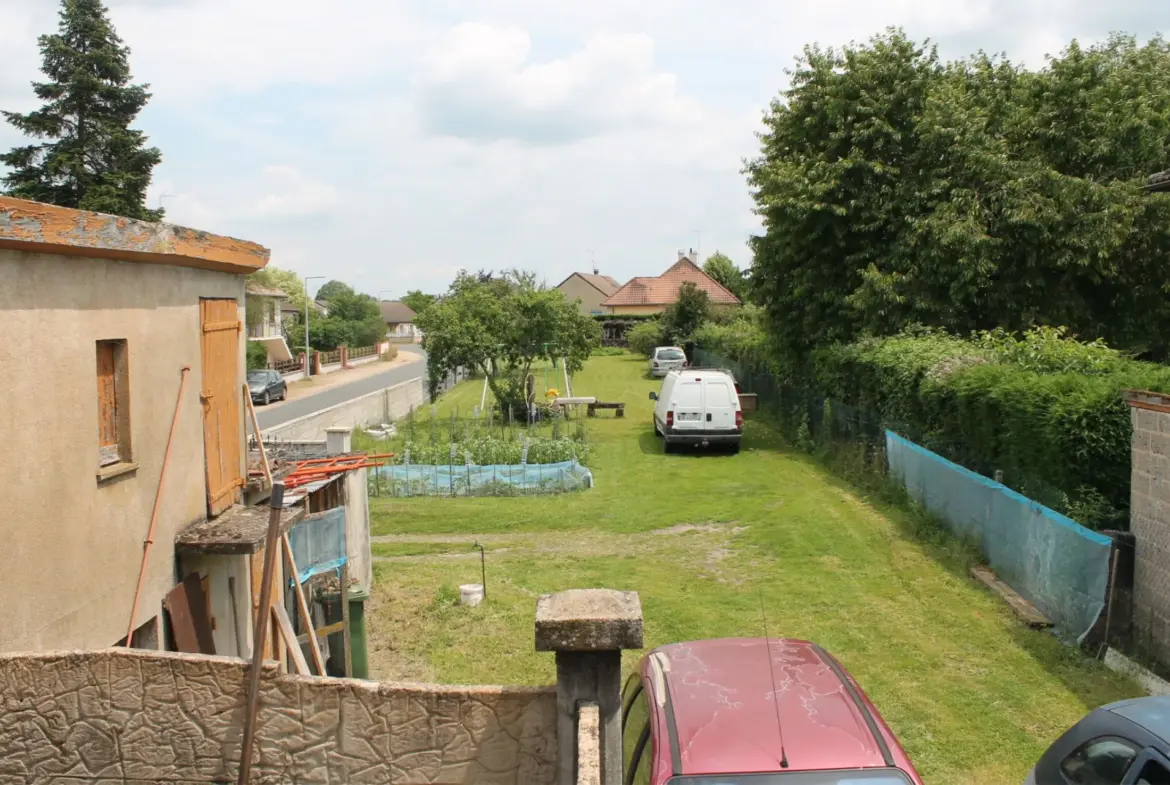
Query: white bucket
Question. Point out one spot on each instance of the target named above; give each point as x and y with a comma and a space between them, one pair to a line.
471, 594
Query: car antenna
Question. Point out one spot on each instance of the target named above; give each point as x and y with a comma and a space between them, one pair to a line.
772, 674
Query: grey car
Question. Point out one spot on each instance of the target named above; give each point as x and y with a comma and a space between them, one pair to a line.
1123, 743
267, 386
665, 359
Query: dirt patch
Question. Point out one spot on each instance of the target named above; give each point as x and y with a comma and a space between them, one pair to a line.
728, 527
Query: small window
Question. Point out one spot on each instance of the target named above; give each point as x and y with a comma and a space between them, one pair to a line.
1154, 773
1101, 761
718, 394
113, 394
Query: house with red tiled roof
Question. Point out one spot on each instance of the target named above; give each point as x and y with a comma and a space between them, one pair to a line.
588, 290
651, 295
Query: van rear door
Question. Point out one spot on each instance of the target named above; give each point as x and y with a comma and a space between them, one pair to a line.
687, 403
720, 401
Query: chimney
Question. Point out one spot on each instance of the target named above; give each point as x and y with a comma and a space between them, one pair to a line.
681, 254
596, 271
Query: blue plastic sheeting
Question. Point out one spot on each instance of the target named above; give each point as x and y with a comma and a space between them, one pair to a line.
1052, 561
318, 543
493, 480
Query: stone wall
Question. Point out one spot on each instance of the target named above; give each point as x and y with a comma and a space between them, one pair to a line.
1150, 523
118, 716
387, 405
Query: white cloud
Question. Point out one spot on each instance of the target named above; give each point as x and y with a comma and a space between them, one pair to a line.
492, 133
480, 83
290, 194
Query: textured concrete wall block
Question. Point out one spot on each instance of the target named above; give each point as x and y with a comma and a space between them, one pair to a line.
1145, 420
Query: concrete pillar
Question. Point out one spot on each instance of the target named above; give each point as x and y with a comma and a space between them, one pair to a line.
588, 629
338, 441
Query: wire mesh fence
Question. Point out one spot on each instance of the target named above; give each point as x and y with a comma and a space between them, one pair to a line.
484, 453
471, 480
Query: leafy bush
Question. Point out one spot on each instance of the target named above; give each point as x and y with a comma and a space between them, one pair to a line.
644, 337
390, 353
257, 356
1040, 406
1044, 409
495, 449
609, 351
740, 338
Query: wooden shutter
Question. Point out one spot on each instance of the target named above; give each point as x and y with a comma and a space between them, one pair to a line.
222, 399
107, 403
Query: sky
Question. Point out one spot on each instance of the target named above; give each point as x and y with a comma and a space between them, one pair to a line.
390, 143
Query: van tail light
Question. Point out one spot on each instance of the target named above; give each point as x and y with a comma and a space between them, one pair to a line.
670, 419
655, 363
739, 421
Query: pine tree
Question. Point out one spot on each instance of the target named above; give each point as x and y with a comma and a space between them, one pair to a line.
91, 159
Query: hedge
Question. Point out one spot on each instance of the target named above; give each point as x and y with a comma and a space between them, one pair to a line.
1045, 410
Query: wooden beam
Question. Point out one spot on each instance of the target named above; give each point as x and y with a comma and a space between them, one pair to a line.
284, 624
345, 618
259, 632
259, 441
1027, 612
323, 632
303, 605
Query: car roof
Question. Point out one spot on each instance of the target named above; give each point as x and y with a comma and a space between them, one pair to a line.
1151, 713
725, 712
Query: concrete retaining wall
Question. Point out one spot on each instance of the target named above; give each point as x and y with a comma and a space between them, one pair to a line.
117, 715
376, 407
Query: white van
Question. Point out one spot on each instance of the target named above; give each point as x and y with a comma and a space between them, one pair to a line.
698, 407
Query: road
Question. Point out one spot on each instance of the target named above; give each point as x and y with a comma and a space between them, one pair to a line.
342, 392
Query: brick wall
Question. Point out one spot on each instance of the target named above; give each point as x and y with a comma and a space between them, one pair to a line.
1150, 523
117, 716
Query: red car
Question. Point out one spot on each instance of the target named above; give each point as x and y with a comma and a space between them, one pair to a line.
710, 713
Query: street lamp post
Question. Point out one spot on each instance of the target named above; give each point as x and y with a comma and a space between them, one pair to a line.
308, 362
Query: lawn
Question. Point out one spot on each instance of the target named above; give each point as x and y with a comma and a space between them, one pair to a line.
974, 696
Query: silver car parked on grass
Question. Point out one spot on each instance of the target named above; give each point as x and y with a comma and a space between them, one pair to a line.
665, 359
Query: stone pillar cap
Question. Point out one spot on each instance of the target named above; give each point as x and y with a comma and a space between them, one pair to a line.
589, 620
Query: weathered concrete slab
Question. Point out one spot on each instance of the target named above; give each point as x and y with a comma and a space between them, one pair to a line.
589, 620
46, 228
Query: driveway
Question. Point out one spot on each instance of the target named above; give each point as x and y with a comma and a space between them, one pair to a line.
341, 393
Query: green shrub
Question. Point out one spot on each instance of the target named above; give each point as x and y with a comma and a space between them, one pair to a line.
1041, 407
1044, 409
644, 337
257, 356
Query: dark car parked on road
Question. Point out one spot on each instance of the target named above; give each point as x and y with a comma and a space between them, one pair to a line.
1123, 743
267, 386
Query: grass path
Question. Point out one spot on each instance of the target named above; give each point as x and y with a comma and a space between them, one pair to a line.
973, 695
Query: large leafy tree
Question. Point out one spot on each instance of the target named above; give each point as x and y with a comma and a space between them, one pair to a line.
90, 158
683, 318
331, 289
417, 300
500, 325
286, 280
720, 267
896, 189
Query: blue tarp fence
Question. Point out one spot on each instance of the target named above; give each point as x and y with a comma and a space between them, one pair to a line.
472, 480
1051, 560
318, 543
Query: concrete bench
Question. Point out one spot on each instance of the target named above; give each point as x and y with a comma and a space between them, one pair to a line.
618, 407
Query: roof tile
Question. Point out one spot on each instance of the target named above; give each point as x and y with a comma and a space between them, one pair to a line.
663, 290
